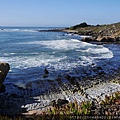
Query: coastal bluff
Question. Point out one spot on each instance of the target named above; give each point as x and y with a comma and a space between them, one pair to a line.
99, 33
4, 69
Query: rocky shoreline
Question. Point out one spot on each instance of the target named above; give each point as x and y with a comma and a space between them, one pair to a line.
100, 33
36, 97
34, 100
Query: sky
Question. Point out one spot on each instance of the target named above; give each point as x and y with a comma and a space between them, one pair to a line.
58, 13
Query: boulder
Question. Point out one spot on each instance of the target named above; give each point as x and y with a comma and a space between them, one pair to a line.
118, 39
61, 102
68, 77
53, 103
87, 39
4, 68
106, 39
58, 102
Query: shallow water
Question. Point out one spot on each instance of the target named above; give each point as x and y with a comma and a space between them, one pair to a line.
29, 52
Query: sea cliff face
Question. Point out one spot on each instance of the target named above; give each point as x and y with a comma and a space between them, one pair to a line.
99, 33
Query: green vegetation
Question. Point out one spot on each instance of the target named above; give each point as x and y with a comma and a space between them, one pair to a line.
109, 107
111, 104
72, 109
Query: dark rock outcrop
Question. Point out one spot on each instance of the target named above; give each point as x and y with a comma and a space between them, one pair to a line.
61, 102
81, 25
100, 33
106, 39
4, 68
87, 39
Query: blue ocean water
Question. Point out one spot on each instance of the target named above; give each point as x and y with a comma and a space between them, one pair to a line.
29, 52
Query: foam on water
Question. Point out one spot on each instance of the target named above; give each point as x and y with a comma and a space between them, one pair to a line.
65, 54
17, 30
72, 44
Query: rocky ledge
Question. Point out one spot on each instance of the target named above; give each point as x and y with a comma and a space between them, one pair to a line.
4, 68
100, 33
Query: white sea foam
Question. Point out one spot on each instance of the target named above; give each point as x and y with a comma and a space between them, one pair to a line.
61, 44
74, 44
84, 53
9, 30
30, 61
17, 30
85, 36
57, 44
29, 30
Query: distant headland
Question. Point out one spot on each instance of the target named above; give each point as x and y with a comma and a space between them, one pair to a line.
107, 33
100, 33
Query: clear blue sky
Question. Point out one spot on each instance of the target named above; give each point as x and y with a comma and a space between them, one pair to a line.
58, 12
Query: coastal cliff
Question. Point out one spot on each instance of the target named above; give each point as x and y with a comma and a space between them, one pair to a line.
99, 33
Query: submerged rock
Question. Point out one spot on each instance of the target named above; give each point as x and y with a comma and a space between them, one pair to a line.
4, 68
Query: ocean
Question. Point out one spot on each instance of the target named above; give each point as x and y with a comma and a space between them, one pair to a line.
30, 52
